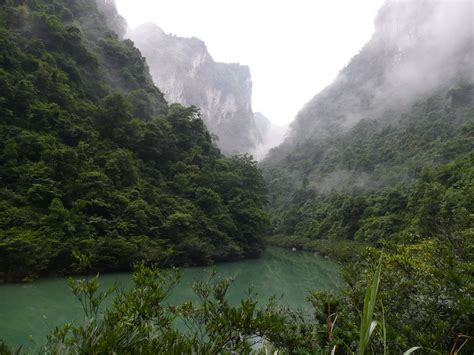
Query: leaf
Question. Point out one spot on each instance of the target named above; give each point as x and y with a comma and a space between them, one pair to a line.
373, 325
369, 305
412, 350
384, 331
18, 350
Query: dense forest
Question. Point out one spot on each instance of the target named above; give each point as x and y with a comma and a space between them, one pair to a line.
99, 173
93, 161
414, 205
381, 160
359, 184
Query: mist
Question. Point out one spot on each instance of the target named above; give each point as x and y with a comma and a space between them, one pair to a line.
417, 46
273, 138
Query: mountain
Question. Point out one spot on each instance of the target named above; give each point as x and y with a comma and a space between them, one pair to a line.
404, 103
114, 20
97, 171
383, 158
418, 47
187, 74
419, 62
270, 135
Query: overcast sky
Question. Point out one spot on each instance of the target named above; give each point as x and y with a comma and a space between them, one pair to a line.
293, 48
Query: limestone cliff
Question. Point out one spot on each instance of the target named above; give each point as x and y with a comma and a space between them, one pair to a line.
186, 73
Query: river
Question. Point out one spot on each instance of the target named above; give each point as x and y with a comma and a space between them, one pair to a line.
30, 311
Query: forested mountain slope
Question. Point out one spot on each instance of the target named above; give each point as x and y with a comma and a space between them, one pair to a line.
187, 74
418, 48
404, 102
93, 162
383, 158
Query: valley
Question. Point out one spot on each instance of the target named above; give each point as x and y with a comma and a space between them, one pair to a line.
132, 158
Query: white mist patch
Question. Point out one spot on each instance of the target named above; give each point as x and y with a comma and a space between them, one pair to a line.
270, 135
418, 46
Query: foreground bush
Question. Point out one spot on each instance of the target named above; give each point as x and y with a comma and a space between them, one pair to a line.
397, 307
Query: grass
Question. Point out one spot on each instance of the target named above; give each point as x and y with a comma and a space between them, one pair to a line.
368, 324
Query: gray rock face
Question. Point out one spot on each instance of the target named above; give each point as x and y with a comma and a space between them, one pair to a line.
185, 72
417, 47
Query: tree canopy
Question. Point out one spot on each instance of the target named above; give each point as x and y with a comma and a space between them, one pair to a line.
94, 161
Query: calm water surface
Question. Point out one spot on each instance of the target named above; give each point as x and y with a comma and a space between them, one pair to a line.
30, 311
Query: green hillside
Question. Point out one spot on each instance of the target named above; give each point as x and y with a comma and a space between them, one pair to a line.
381, 162
331, 188
98, 173
94, 163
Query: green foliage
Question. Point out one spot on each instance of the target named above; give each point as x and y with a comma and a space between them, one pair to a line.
223, 327
341, 250
93, 161
426, 293
137, 322
373, 155
368, 324
438, 200
426, 230
404, 183
141, 321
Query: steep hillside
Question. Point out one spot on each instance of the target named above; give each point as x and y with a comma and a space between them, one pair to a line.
95, 166
114, 20
403, 102
382, 158
187, 74
418, 48
406, 101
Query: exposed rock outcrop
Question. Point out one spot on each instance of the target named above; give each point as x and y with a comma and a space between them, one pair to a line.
187, 74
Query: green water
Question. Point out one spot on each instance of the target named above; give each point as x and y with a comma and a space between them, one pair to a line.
30, 311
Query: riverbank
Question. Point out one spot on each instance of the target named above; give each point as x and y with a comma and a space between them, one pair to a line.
36, 308
342, 251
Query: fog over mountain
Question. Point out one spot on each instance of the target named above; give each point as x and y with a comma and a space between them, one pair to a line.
114, 20
417, 47
101, 171
401, 103
271, 135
